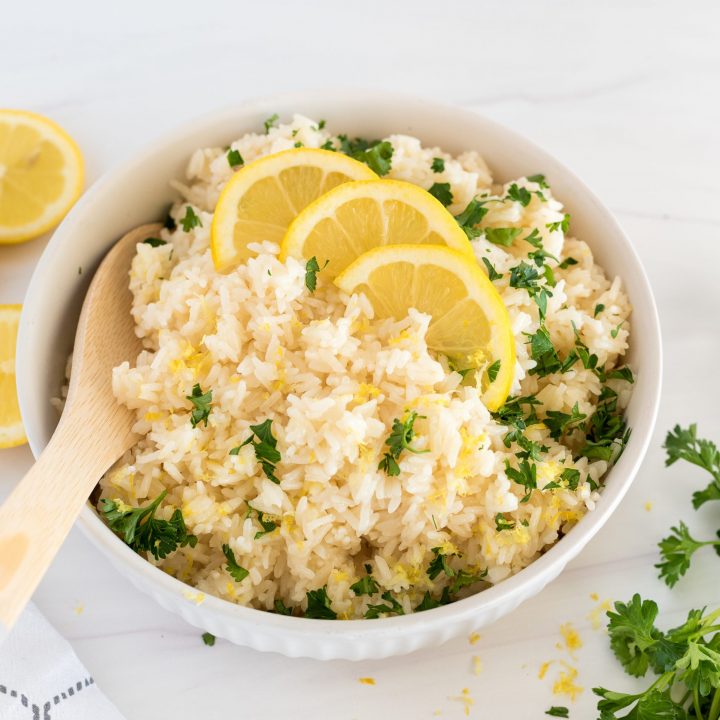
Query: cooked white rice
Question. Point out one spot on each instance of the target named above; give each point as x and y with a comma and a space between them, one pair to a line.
333, 379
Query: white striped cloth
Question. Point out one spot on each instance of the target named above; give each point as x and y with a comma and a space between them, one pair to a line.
41, 678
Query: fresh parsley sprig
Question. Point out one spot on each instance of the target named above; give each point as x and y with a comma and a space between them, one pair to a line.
401, 435
142, 531
686, 660
679, 547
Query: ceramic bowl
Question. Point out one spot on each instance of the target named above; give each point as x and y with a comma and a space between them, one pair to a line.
138, 192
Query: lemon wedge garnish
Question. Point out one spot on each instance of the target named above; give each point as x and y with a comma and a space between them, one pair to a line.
470, 324
11, 427
41, 175
264, 197
356, 217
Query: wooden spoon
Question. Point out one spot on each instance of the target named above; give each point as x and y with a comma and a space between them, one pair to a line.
93, 432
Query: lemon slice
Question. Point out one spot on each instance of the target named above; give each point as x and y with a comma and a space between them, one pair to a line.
11, 427
470, 324
359, 216
41, 175
264, 197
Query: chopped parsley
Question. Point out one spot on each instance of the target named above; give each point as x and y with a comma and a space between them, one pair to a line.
237, 572
297, 144
234, 158
366, 585
202, 405
525, 474
567, 262
265, 519
271, 122
169, 223
321, 124
142, 531
493, 370
470, 217
544, 353
614, 332
319, 606
312, 268
512, 415
208, 639
502, 523
558, 710
527, 277
459, 578
191, 220
429, 602
561, 423
442, 192
154, 242
540, 180
400, 437
281, 608
439, 564
328, 145
265, 447
502, 236
393, 607
563, 224
685, 659
570, 478
493, 274
598, 309
519, 194
438, 165
376, 154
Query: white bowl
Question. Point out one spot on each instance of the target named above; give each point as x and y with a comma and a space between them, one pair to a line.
138, 192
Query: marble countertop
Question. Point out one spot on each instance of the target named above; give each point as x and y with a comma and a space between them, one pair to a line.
624, 93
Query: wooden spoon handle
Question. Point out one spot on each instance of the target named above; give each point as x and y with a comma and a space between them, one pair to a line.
38, 514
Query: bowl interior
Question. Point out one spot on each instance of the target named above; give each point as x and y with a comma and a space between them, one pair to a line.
139, 192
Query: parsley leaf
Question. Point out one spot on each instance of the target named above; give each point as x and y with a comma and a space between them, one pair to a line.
558, 710
570, 477
237, 572
470, 217
598, 309
203, 405
676, 551
234, 158
463, 579
265, 447
525, 474
502, 236
439, 564
563, 225
607, 431
540, 180
191, 220
502, 523
154, 242
312, 268
366, 585
392, 608
400, 437
493, 370
208, 639
493, 274
319, 606
633, 633
142, 531
376, 154
438, 165
544, 353
519, 194
560, 423
442, 192
567, 262
281, 608
684, 444
271, 122
265, 519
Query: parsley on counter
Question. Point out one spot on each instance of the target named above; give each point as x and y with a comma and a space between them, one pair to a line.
685, 659
208, 639
558, 710
202, 405
142, 531
401, 435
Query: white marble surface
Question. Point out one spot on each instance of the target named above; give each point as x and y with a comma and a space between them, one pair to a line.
625, 93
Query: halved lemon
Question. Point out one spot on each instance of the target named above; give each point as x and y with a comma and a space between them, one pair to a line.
11, 427
265, 196
470, 324
41, 175
359, 216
